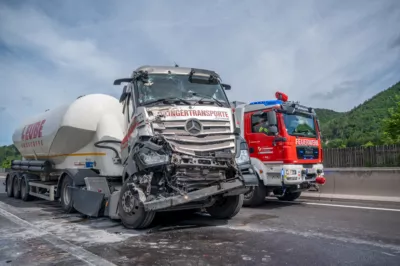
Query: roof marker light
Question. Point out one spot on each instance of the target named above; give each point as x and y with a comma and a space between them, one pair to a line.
266, 103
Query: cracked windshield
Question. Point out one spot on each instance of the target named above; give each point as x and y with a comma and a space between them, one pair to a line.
178, 87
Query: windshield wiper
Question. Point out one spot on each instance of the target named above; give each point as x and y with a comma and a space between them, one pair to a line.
207, 96
303, 133
169, 99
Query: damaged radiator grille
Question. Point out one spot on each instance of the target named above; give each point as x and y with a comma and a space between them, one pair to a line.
196, 179
215, 136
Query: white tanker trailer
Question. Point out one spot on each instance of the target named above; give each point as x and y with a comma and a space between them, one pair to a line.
169, 143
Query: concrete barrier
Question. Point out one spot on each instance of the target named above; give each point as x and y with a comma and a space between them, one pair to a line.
379, 184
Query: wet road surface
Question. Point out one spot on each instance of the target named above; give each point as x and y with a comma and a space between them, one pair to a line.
278, 233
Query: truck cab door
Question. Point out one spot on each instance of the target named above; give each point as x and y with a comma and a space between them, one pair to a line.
261, 144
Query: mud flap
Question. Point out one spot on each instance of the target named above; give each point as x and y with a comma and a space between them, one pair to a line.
87, 202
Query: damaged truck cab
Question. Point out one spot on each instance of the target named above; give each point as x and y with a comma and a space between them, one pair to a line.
180, 144
169, 143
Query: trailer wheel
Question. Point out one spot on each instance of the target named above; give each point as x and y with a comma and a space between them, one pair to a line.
9, 186
16, 187
25, 189
256, 196
226, 207
131, 212
290, 196
67, 203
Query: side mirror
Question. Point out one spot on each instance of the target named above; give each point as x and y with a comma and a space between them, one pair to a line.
226, 87
119, 81
123, 95
273, 129
271, 115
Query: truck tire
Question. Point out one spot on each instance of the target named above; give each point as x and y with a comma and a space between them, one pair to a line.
290, 196
9, 186
132, 214
66, 201
25, 189
226, 207
256, 196
16, 187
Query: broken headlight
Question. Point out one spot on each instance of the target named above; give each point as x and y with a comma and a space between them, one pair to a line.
244, 156
152, 157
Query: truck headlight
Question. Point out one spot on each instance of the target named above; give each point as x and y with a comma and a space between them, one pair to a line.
244, 156
153, 158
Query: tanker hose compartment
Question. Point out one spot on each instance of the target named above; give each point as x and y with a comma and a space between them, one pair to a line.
97, 144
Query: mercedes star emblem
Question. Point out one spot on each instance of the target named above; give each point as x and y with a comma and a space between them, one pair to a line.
193, 126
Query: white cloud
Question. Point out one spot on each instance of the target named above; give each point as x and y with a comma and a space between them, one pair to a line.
322, 53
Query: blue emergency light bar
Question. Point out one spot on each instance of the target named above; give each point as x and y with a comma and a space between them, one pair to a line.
269, 102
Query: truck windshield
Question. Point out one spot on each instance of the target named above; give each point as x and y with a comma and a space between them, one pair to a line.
300, 125
163, 86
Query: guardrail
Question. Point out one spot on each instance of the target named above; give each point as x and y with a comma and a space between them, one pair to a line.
378, 184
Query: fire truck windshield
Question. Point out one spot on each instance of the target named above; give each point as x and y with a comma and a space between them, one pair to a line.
299, 124
164, 86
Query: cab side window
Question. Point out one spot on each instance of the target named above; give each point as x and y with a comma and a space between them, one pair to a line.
259, 124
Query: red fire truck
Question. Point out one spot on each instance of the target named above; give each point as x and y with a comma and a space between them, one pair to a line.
284, 142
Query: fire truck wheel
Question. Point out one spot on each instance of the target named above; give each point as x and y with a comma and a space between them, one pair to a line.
131, 212
256, 196
290, 196
16, 187
67, 203
226, 207
9, 185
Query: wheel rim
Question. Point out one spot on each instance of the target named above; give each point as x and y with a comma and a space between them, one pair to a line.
130, 204
249, 194
66, 195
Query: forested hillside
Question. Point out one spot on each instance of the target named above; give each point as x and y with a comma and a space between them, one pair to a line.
363, 125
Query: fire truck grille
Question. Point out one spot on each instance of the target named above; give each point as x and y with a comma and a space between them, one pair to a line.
306, 152
215, 136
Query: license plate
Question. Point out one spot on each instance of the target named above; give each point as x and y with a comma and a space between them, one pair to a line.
308, 152
310, 171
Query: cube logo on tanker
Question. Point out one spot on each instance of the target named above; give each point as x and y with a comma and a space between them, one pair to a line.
31, 133
285, 145
169, 143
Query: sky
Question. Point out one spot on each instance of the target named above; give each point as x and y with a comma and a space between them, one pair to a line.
325, 54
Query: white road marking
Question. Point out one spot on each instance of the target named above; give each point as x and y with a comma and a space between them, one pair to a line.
251, 228
351, 206
74, 250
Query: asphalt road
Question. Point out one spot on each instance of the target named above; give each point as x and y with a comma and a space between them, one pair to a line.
278, 233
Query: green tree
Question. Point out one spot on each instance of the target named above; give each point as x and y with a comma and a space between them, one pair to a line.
391, 125
6, 164
368, 144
